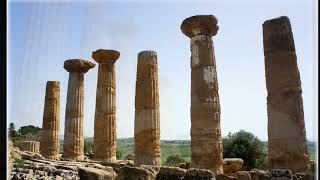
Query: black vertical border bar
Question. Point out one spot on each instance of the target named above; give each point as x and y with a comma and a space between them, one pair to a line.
3, 89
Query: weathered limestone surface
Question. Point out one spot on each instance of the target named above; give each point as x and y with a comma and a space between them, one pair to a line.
204, 174
73, 134
206, 142
133, 173
104, 145
147, 115
10, 159
31, 146
173, 173
280, 174
259, 175
287, 148
225, 177
89, 173
243, 175
49, 146
232, 165
304, 176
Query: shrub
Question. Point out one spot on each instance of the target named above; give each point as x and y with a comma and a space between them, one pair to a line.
246, 146
174, 160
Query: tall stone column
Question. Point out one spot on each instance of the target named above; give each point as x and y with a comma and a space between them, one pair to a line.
287, 146
49, 146
105, 135
73, 132
206, 142
147, 114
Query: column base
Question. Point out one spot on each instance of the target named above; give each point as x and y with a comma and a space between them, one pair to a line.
77, 158
108, 160
55, 157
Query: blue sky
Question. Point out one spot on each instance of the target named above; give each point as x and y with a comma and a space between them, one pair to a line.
43, 35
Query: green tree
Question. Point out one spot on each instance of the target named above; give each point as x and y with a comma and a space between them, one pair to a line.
14, 136
32, 137
12, 131
30, 129
174, 160
246, 146
87, 145
119, 154
30, 133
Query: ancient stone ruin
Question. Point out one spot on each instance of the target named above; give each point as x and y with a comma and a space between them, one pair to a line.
147, 114
206, 142
287, 146
49, 146
73, 132
31, 146
105, 136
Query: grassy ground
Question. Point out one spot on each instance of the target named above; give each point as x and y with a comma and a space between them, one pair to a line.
174, 147
181, 148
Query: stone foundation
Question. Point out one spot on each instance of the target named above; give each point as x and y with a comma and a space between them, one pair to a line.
31, 146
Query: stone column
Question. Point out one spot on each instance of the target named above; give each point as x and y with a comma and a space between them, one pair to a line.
287, 146
206, 142
31, 146
73, 132
105, 135
147, 115
49, 146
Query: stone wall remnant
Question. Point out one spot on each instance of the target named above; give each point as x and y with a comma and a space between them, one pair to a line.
31, 146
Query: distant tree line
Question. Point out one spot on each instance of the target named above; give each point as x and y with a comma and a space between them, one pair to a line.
241, 144
25, 133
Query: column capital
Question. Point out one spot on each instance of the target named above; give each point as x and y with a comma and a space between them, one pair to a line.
200, 25
105, 56
147, 57
53, 84
52, 89
78, 65
277, 35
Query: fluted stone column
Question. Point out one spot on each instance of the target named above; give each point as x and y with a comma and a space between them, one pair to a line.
49, 146
105, 135
206, 142
287, 146
147, 115
31, 146
73, 132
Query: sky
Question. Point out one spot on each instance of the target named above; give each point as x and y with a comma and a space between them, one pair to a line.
43, 34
